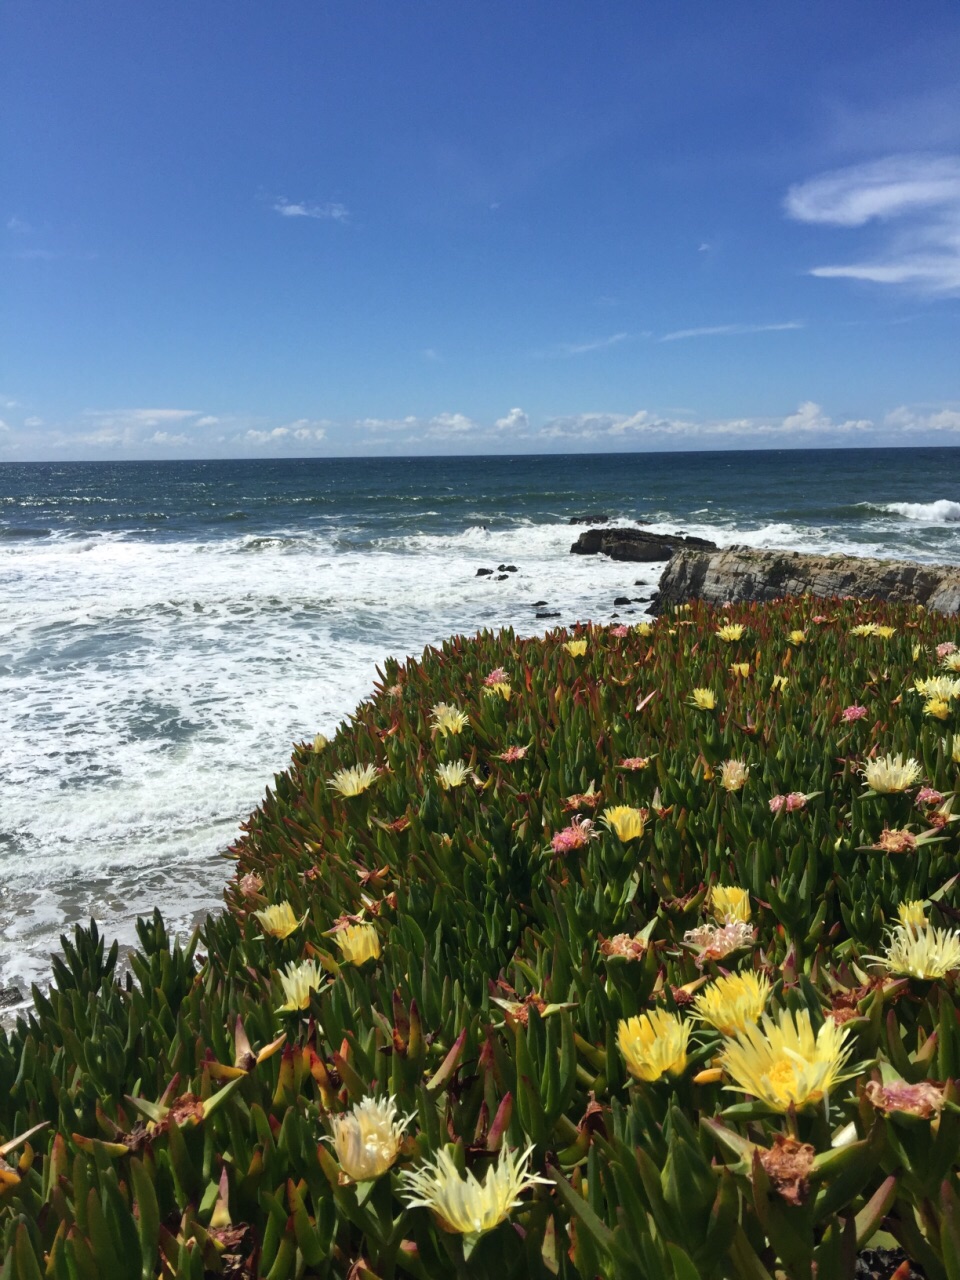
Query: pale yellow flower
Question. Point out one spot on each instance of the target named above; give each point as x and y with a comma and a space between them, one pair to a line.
778, 683
885, 633
358, 942
912, 914
643, 629
576, 648
729, 902
922, 952
734, 774
452, 775
938, 708
460, 1202
797, 637
734, 1002
654, 1044
499, 690
705, 699
864, 629
353, 781
782, 1062
740, 668
938, 687
448, 719
298, 981
279, 920
729, 632
625, 821
951, 661
368, 1138
320, 743
888, 774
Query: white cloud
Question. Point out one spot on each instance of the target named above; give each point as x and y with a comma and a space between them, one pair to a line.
208, 420
168, 440
140, 417
920, 193
515, 420
332, 210
730, 330
18, 226
653, 429
33, 422
446, 425
583, 348
934, 421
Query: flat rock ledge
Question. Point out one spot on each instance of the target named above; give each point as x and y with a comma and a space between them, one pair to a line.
740, 573
635, 544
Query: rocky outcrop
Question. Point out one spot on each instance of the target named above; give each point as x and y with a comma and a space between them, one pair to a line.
740, 573
635, 544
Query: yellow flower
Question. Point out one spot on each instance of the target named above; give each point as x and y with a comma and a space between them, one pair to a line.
729, 902
643, 629
576, 648
447, 719
462, 1204
938, 687
500, 689
734, 774
320, 743
705, 699
912, 914
891, 773
782, 1062
951, 662
864, 629
885, 633
779, 682
358, 942
739, 668
922, 952
939, 708
452, 775
626, 821
353, 782
734, 1002
367, 1139
797, 637
297, 982
653, 1044
729, 632
279, 921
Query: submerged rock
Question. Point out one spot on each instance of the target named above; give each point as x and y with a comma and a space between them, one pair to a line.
741, 574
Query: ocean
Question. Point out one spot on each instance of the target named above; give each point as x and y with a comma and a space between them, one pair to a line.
168, 630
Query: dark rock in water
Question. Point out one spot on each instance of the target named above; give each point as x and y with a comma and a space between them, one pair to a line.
640, 599
538, 604
882, 1264
622, 600
614, 615
9, 996
634, 544
506, 568
483, 573
741, 573
500, 576
549, 615
594, 519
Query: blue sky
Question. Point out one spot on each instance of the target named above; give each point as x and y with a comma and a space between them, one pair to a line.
337, 227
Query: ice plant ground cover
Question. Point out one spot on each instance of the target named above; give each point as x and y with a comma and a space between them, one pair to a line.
486, 1001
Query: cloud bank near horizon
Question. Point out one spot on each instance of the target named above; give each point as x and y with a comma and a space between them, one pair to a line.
144, 433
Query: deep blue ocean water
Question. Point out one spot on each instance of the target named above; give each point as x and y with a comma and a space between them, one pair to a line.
167, 630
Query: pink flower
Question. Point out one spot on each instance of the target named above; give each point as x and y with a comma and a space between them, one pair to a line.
579, 832
634, 762
619, 632
513, 753
796, 800
497, 676
853, 713
820, 617
947, 647
927, 795
777, 803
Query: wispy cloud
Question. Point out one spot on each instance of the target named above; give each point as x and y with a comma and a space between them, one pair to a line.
645, 428
916, 197
19, 226
729, 330
333, 210
566, 350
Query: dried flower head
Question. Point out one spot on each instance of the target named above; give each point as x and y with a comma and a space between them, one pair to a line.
925, 1098
853, 713
928, 796
714, 941
513, 753
625, 945
498, 675
634, 763
575, 836
896, 840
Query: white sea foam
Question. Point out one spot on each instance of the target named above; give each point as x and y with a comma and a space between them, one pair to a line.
943, 511
152, 689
